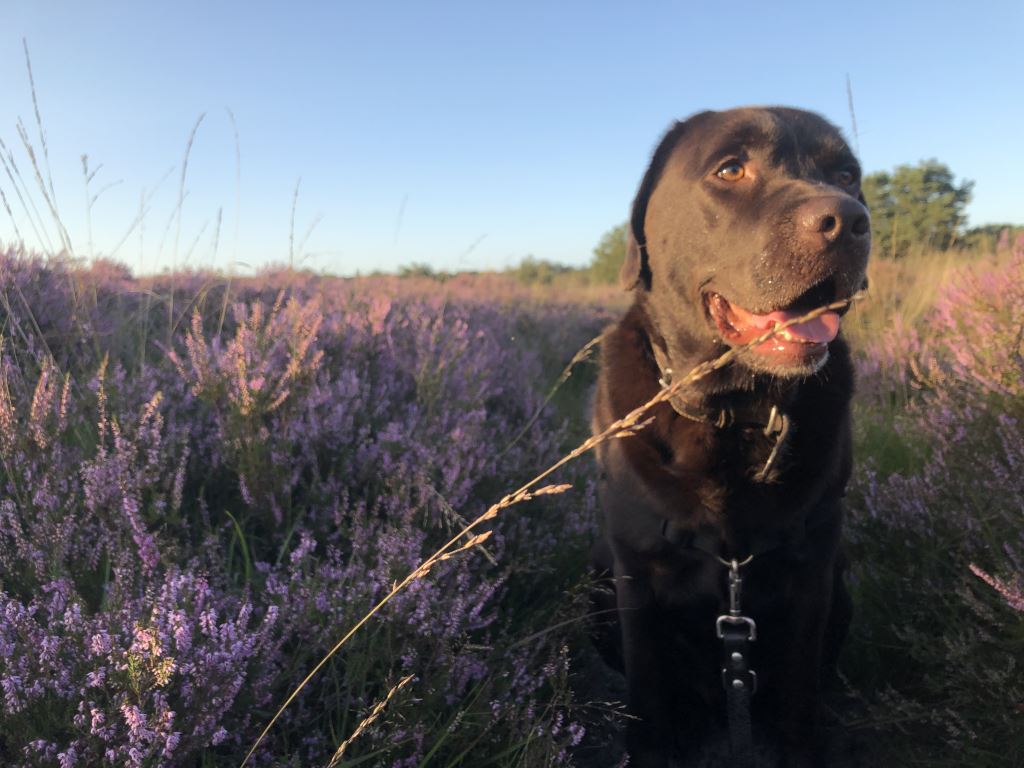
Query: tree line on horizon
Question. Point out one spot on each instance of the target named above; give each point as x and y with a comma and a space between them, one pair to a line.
914, 208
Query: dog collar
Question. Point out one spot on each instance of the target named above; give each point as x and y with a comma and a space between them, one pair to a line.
744, 415
774, 423
694, 411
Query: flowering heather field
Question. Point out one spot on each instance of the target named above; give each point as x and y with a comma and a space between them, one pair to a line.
205, 483
936, 531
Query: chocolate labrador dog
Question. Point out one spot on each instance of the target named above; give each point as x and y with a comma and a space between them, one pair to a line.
744, 220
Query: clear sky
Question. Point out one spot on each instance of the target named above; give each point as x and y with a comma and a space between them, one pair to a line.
465, 135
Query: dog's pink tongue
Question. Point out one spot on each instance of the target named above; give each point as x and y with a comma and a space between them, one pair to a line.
820, 330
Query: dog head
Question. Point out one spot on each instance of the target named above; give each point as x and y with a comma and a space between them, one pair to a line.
745, 219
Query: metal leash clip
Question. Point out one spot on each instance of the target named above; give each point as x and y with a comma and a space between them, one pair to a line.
734, 616
736, 630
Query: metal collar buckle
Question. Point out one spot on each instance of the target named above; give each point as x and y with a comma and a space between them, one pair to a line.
777, 427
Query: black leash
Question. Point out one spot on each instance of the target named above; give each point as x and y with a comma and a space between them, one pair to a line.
737, 632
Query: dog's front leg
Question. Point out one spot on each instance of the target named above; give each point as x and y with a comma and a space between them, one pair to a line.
648, 734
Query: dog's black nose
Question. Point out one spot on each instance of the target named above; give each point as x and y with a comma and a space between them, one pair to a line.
824, 220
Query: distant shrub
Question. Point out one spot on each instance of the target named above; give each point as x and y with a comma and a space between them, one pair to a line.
537, 271
609, 254
992, 238
419, 269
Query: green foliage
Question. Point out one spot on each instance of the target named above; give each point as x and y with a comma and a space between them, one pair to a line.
992, 238
609, 255
915, 206
418, 269
533, 271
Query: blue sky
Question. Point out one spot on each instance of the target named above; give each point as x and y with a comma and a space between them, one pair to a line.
466, 135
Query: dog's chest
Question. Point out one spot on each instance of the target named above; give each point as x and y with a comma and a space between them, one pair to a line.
733, 457
681, 579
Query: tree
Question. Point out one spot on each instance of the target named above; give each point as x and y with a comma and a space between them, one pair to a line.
915, 205
609, 255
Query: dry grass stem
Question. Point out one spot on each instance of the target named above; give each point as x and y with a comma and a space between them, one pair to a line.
368, 720
628, 425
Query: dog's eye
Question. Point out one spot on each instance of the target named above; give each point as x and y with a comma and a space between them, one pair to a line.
846, 177
731, 171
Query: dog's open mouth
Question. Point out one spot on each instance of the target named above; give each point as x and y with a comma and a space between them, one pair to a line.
798, 343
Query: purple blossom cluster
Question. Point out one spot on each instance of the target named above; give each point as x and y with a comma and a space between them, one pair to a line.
204, 484
937, 527
148, 680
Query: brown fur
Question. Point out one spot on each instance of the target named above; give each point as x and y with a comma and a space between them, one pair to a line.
792, 236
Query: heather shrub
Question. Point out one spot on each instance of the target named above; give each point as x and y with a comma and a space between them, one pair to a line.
204, 482
936, 512
200, 493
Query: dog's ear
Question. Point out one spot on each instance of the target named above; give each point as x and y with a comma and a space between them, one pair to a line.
635, 269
